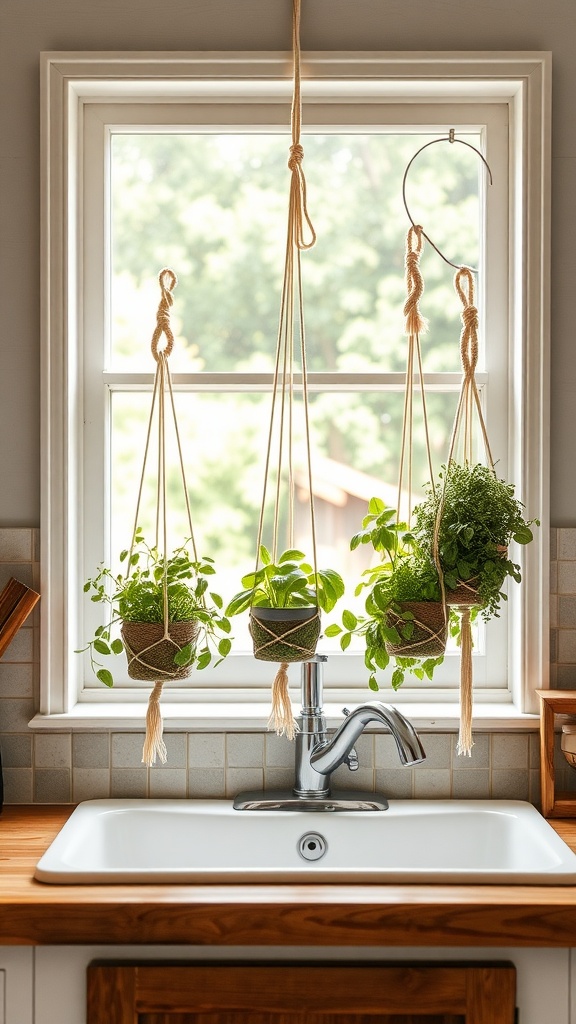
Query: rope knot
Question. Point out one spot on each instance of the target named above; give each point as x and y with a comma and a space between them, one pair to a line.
296, 156
415, 322
167, 280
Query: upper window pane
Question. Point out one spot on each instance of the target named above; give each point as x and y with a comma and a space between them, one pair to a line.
214, 208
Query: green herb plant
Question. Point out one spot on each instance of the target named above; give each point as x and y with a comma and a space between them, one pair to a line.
404, 573
137, 595
288, 583
480, 518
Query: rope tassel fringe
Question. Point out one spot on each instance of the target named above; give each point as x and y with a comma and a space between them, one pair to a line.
281, 716
154, 745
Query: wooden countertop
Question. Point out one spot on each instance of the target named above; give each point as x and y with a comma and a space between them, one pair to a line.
33, 913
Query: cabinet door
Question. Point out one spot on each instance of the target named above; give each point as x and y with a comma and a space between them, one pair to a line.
16, 985
295, 994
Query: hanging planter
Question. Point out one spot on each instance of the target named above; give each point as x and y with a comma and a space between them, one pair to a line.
423, 628
284, 634
151, 650
471, 518
170, 620
406, 613
287, 590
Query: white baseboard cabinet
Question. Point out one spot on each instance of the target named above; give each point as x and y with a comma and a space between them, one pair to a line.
16, 985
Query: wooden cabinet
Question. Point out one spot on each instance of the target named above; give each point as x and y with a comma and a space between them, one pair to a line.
321, 993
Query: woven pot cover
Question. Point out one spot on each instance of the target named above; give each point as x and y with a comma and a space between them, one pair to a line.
284, 634
430, 630
151, 657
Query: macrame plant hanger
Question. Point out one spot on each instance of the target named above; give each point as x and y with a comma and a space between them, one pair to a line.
300, 236
415, 325
154, 660
468, 404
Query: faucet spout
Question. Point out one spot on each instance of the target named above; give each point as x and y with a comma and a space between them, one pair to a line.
327, 756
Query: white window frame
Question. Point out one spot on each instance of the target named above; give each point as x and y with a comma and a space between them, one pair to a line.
70, 82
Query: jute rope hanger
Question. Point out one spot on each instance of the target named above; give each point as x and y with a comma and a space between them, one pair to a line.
415, 326
153, 744
468, 405
300, 236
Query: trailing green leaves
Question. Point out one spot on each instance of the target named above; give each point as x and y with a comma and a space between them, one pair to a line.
137, 595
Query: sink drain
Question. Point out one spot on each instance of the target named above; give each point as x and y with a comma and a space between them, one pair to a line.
312, 846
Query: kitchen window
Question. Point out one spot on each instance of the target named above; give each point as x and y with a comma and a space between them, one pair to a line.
180, 160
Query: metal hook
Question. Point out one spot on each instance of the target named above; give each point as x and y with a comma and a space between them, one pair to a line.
451, 138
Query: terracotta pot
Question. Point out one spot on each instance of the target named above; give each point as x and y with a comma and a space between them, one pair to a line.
430, 633
150, 656
284, 634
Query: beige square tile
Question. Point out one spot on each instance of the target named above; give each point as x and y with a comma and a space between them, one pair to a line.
510, 785
566, 540
510, 750
278, 778
566, 578
52, 750
90, 784
18, 785
206, 783
432, 783
170, 783
566, 647
471, 785
394, 783
16, 714
278, 751
91, 750
127, 749
567, 612
16, 750
239, 779
129, 783
52, 786
16, 680
16, 544
206, 750
244, 750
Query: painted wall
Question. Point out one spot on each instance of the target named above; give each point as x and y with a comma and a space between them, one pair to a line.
30, 26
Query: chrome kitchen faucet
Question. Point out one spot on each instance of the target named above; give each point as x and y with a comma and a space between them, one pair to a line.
318, 755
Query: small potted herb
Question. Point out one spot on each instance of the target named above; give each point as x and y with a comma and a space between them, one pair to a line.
405, 617
479, 519
169, 620
284, 599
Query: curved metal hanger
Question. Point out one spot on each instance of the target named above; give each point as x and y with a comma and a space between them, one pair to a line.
448, 138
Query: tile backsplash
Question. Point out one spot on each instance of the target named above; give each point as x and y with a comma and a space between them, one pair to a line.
69, 767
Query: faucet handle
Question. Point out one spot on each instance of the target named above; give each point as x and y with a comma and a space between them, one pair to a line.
352, 760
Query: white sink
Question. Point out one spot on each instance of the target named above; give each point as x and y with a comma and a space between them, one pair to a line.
197, 841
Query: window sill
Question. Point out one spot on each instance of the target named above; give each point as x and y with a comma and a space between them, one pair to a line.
253, 717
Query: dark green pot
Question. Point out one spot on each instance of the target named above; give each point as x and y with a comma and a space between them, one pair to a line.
284, 634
